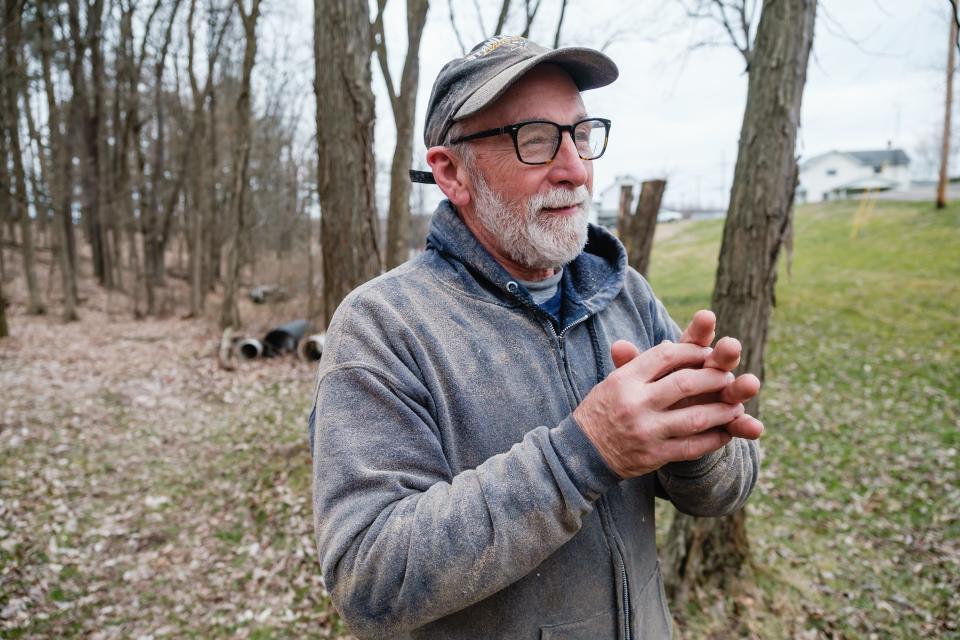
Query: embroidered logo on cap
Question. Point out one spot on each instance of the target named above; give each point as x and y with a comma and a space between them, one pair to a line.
488, 46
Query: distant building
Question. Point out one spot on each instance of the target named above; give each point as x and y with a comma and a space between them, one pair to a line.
606, 204
841, 174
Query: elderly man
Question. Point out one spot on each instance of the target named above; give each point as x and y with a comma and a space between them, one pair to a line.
494, 418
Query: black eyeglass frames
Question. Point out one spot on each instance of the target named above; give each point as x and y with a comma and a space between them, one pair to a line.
538, 141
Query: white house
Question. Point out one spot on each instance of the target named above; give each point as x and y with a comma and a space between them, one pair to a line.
841, 174
606, 203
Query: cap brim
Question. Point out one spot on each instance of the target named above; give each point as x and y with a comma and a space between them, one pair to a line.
588, 68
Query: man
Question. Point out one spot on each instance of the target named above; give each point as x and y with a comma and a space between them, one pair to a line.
494, 418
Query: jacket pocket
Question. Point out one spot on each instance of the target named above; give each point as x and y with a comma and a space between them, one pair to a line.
653, 617
598, 627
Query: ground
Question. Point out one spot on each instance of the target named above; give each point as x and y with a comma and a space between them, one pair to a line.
145, 492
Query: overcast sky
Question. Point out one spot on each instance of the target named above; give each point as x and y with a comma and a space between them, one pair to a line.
876, 77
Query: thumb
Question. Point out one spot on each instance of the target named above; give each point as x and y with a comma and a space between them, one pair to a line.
623, 352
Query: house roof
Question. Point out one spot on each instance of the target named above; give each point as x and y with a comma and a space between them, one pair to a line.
869, 158
889, 157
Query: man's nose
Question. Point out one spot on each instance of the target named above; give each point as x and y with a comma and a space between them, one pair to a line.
567, 167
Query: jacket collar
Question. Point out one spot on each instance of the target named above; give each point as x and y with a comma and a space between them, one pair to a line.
593, 279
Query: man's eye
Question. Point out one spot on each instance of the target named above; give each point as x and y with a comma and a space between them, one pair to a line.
533, 141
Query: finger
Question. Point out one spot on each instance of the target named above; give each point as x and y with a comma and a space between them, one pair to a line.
726, 354
623, 352
701, 328
697, 445
741, 389
686, 383
745, 426
660, 360
682, 423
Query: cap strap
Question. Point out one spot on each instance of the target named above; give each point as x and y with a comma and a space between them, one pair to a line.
424, 177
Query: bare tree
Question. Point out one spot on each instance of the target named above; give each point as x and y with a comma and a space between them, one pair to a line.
4, 329
638, 229
230, 312
403, 104
60, 152
948, 110
346, 168
201, 193
14, 79
758, 220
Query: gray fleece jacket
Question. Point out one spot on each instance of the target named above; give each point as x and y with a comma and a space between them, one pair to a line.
454, 494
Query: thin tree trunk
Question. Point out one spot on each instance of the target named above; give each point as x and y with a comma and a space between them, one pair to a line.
948, 110
61, 182
346, 169
644, 224
12, 84
4, 329
623, 213
761, 201
404, 104
230, 313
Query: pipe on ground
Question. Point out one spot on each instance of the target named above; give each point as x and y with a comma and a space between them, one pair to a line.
285, 338
311, 348
250, 348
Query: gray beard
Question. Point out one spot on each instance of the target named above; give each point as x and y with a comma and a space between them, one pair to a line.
524, 234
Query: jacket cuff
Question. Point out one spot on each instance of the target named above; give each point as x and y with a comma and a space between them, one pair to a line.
693, 469
584, 465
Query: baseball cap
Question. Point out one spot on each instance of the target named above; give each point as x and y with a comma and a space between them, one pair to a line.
467, 85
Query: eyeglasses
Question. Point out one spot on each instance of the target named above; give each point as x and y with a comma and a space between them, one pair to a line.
538, 141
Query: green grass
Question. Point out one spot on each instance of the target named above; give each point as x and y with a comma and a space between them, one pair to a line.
859, 495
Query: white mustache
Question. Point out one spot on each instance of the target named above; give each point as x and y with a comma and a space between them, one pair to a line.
560, 198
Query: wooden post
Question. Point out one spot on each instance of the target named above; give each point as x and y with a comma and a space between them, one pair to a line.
945, 148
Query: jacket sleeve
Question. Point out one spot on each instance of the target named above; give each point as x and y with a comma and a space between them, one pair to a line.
402, 540
720, 482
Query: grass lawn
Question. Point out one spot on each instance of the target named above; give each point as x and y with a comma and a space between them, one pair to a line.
854, 525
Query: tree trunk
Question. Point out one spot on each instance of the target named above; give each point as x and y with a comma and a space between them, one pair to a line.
945, 149
61, 182
346, 169
230, 313
641, 226
13, 81
404, 104
623, 213
759, 217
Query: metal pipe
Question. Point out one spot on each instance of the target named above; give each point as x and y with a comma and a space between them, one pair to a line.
284, 339
311, 348
250, 348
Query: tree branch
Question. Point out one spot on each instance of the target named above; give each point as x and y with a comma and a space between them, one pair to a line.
531, 14
556, 36
379, 43
502, 18
456, 31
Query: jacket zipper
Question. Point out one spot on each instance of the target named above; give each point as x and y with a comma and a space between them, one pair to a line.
561, 344
626, 600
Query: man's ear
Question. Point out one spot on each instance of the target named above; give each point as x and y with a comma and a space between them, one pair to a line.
448, 172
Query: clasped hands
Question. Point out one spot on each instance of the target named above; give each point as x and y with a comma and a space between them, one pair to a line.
673, 402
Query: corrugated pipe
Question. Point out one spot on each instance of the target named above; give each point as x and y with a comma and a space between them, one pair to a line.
311, 348
284, 339
250, 348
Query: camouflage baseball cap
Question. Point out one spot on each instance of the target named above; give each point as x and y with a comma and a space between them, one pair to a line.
467, 85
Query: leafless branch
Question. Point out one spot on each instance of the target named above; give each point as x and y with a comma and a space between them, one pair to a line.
380, 46
502, 18
556, 36
531, 13
479, 12
456, 31
835, 28
956, 19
